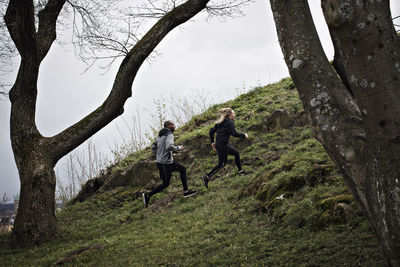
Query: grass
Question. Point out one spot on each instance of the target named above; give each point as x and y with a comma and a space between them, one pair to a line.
238, 221
209, 229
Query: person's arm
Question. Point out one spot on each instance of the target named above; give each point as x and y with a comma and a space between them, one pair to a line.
233, 132
212, 133
169, 143
154, 146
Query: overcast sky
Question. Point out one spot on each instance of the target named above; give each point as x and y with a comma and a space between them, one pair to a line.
214, 56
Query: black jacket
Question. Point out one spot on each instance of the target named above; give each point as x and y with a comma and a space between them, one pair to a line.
224, 130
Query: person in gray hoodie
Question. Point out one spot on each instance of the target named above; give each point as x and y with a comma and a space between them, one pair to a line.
164, 146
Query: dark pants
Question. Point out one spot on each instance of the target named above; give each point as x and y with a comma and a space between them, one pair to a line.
165, 175
223, 152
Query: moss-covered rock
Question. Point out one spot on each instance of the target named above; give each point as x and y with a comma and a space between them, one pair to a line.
139, 174
88, 189
338, 209
331, 202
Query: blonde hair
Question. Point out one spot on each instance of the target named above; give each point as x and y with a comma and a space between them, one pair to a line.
223, 113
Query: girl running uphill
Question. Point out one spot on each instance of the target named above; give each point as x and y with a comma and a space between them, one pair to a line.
224, 128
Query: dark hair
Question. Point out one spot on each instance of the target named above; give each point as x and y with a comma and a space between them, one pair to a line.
167, 123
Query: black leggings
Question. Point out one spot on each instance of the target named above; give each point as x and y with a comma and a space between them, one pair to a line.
223, 152
165, 175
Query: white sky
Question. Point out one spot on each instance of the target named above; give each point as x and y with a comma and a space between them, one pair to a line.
217, 57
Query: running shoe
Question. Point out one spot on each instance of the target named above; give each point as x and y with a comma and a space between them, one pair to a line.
190, 193
146, 199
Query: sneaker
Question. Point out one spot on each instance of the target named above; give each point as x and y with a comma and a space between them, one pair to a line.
146, 199
190, 193
205, 180
243, 173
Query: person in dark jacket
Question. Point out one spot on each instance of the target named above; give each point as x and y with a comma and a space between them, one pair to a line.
164, 146
224, 128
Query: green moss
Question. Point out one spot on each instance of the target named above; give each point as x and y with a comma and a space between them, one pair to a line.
327, 218
302, 214
329, 203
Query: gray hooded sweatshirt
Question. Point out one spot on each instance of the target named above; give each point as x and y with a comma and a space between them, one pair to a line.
164, 146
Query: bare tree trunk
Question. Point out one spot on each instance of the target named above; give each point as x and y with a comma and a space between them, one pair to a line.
354, 105
36, 220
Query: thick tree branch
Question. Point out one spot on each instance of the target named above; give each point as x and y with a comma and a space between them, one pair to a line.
75, 135
362, 33
20, 22
304, 56
332, 110
46, 33
32, 47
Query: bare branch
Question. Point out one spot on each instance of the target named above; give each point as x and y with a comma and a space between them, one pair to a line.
227, 9
154, 9
395, 24
4, 91
96, 31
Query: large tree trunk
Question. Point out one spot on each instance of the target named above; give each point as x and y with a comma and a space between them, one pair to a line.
354, 105
36, 155
36, 220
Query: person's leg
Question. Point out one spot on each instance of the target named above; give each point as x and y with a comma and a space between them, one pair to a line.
233, 151
165, 175
182, 171
222, 158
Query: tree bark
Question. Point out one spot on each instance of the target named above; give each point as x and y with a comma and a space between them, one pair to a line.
36, 221
354, 105
36, 155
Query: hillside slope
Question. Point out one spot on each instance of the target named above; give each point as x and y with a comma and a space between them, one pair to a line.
292, 209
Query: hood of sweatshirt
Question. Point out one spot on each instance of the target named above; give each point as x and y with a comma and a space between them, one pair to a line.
164, 131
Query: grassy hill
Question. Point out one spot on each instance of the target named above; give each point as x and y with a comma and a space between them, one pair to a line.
238, 220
